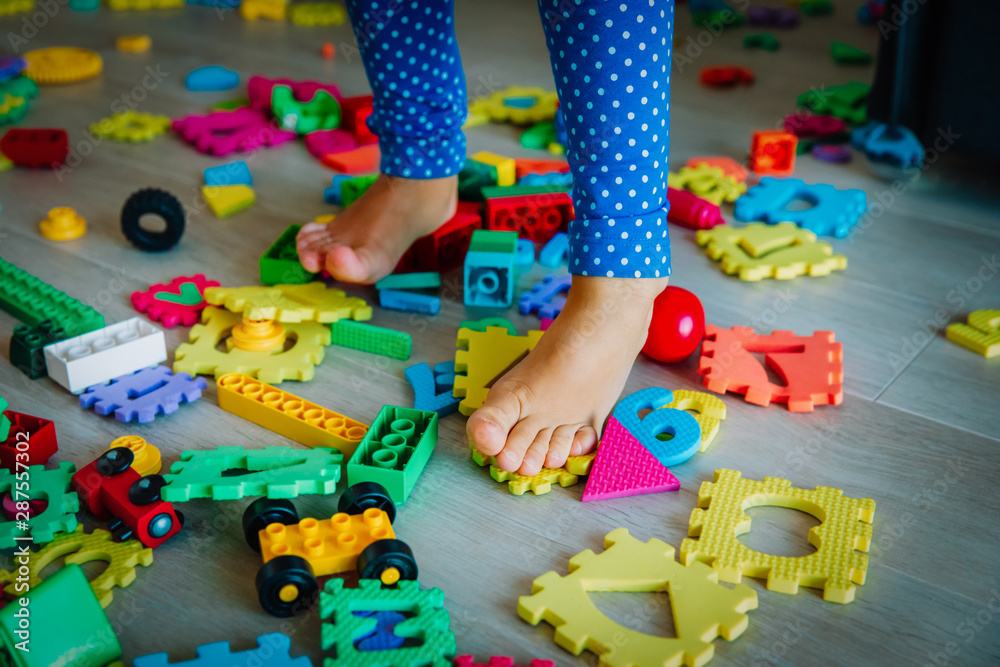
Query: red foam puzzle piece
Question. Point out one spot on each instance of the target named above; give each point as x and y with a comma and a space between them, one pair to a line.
241, 130
324, 142
772, 152
354, 113
624, 467
535, 217
725, 76
171, 312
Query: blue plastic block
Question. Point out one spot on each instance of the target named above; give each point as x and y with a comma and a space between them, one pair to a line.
444, 376
427, 394
555, 252
546, 297
557, 178
143, 395
489, 279
272, 651
410, 302
525, 254
893, 144
833, 211
680, 424
211, 77
382, 637
334, 193
234, 173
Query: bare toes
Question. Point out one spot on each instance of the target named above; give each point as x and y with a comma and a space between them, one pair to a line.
533, 459
489, 426
518, 442
584, 441
559, 446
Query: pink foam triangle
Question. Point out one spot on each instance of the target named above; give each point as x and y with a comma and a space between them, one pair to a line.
624, 467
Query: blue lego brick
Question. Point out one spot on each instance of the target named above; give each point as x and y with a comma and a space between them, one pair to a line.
555, 252
234, 173
546, 298
428, 394
272, 651
557, 178
410, 302
489, 279
143, 395
680, 424
334, 193
525, 254
833, 211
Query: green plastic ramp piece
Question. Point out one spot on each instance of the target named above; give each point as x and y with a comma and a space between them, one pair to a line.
369, 338
395, 450
32, 300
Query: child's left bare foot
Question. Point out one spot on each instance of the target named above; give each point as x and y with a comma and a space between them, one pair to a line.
553, 404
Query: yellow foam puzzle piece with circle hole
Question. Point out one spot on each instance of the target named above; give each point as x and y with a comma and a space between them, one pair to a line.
760, 250
313, 302
981, 334
541, 483
710, 408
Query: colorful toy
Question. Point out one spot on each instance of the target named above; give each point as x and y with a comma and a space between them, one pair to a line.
234, 173
120, 5
810, 126
33, 302
145, 457
220, 133
259, 90
317, 13
768, 17
685, 431
52, 486
981, 334
711, 411
781, 251
11, 66
848, 101
354, 118
893, 144
211, 77
525, 166
835, 566
227, 200
525, 254
305, 422
445, 249
272, 651
368, 338
844, 54
143, 395
99, 356
503, 166
321, 112
534, 212
134, 43
432, 390
518, 105
812, 366
677, 325
561, 180
546, 298
691, 211
540, 483
491, 269
772, 152
555, 252
35, 148
251, 10
834, 212
409, 302
486, 356
57, 65
27, 343
30, 441
63, 224
831, 153
383, 636
498, 661
725, 77
761, 40
364, 159
131, 127
280, 263
624, 467
395, 450
702, 609
156, 202
709, 183
352, 188
312, 302
410, 281
13, 109
178, 302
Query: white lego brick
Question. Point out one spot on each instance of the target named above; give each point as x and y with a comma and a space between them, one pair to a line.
102, 355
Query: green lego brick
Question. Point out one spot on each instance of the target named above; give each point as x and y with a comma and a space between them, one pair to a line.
26, 347
31, 300
523, 191
474, 177
59, 516
411, 281
845, 54
352, 189
816, 8
761, 40
484, 240
395, 450
539, 135
428, 621
369, 338
275, 472
280, 264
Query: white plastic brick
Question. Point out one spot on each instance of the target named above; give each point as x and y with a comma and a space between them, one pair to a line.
102, 355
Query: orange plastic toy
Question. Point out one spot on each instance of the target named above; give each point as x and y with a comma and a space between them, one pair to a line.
363, 160
725, 77
772, 152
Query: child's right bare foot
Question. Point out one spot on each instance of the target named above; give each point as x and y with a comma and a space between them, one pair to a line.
365, 242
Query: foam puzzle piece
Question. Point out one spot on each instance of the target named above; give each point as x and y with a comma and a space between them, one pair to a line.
178, 302
201, 356
280, 263
546, 298
234, 173
518, 105
483, 324
681, 425
131, 127
156, 391
498, 661
624, 467
811, 366
486, 356
78, 547
368, 338
272, 651
410, 281
836, 567
311, 302
260, 90
360, 160
981, 334
710, 408
341, 628
702, 608
40, 434
848, 102
893, 144
211, 77
710, 183
4, 422
382, 637
540, 483
320, 112
52, 486
833, 211
220, 133
227, 200
759, 251
409, 302
426, 393
555, 252
317, 13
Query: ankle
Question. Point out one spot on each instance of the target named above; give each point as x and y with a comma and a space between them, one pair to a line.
620, 297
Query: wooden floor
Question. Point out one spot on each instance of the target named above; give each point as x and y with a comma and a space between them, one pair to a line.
917, 432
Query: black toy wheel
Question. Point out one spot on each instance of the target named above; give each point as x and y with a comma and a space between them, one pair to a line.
365, 495
388, 561
152, 201
263, 512
146, 490
115, 461
286, 586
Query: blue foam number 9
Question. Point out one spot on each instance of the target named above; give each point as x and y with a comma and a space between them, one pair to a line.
681, 425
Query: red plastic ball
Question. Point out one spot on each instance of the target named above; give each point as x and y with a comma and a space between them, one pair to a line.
677, 327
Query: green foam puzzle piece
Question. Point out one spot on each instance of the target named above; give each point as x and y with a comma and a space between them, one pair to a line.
189, 295
761, 40
848, 102
49, 485
369, 338
322, 112
31, 300
392, 456
845, 54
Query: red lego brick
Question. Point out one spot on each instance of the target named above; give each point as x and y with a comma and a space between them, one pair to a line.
525, 166
444, 249
536, 217
354, 112
772, 152
36, 148
38, 434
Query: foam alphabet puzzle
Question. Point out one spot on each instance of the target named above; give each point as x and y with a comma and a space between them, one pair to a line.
486, 357
833, 212
758, 250
685, 431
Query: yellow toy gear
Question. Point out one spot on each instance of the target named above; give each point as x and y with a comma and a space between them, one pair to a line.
62, 64
290, 303
710, 183
518, 105
131, 127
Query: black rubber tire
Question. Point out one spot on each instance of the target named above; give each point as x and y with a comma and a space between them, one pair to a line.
115, 461
263, 512
146, 490
156, 202
383, 554
365, 495
277, 573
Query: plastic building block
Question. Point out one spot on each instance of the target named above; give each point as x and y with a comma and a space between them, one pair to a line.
427, 395
772, 152
317, 13
781, 251
445, 249
146, 458
272, 651
504, 166
62, 64
685, 431
725, 77
487, 356
761, 40
26, 347
352, 188
78, 547
131, 127
178, 302
498, 661
312, 302
428, 621
134, 43
409, 302
811, 366
711, 411
368, 338
832, 153
691, 211
844, 54
410, 281
624, 467
201, 355
491, 269
354, 113
355, 161
817, 7
143, 395
32, 301
710, 183
551, 179
220, 133
280, 263
848, 101
33, 438
776, 17
211, 77
321, 112
303, 421
540, 483
525, 254
981, 334
833, 213
702, 609
547, 297
806, 125
835, 566
63, 224
525, 166
892, 144
276, 10
518, 105
395, 450
99, 356
156, 202
52, 486
234, 173
539, 135
534, 212
556, 252
227, 200
36, 148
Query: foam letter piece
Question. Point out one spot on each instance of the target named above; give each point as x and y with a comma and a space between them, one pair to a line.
272, 651
893, 144
223, 132
177, 302
681, 425
427, 395
409, 302
290, 303
546, 297
624, 467
487, 356
833, 213
711, 411
781, 251
143, 395
981, 334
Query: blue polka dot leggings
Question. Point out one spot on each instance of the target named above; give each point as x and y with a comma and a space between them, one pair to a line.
611, 64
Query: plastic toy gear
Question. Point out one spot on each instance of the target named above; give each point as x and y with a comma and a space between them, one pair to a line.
131, 127
541, 483
781, 251
178, 302
835, 567
487, 355
312, 302
143, 395
703, 609
62, 64
155, 202
518, 105
59, 515
272, 651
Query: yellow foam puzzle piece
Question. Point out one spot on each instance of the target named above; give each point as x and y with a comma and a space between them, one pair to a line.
710, 183
119, 5
227, 200
131, 127
540, 483
201, 356
506, 167
276, 10
544, 107
702, 608
981, 334
16, 6
759, 250
318, 13
835, 567
290, 303
487, 355
710, 408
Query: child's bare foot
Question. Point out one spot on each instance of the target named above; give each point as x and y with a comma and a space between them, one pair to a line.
364, 243
553, 404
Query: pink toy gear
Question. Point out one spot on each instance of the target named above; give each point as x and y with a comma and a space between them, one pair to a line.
223, 132
178, 302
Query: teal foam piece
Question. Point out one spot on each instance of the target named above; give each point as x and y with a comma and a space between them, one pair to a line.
272, 651
680, 424
424, 280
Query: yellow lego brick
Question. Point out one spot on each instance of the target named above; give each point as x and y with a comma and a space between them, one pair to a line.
708, 182
290, 303
759, 250
227, 200
293, 417
506, 169
540, 483
331, 545
709, 409
487, 356
276, 10
981, 334
120, 5
835, 567
318, 13
702, 608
